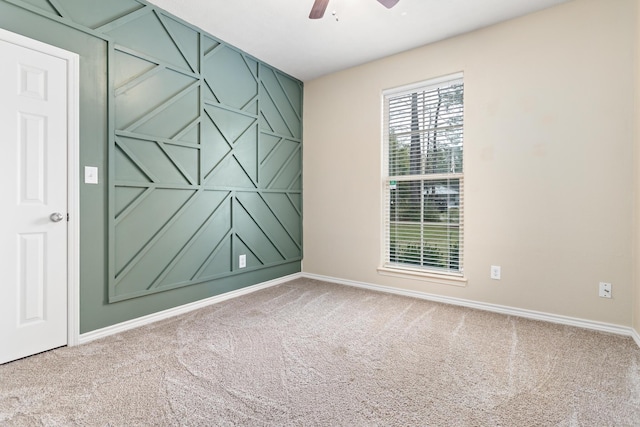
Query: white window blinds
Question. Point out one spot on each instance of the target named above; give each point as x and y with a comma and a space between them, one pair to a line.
423, 178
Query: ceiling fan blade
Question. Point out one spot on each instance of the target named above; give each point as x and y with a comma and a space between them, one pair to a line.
388, 3
319, 6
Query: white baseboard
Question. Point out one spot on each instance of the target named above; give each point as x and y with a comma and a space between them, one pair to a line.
635, 336
165, 314
512, 311
529, 314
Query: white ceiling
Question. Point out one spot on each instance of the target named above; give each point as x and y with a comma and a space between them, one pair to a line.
280, 33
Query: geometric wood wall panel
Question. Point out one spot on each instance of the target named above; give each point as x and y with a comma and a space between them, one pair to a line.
280, 105
279, 165
205, 150
206, 157
43, 5
94, 14
231, 78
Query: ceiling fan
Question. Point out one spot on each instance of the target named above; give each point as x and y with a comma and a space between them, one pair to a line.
319, 6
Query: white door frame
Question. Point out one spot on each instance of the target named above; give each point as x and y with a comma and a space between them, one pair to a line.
73, 174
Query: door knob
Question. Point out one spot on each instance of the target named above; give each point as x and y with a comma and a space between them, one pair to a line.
56, 217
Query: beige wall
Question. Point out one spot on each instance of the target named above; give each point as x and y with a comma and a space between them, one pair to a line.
549, 133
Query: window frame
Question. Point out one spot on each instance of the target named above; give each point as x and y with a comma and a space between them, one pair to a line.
406, 270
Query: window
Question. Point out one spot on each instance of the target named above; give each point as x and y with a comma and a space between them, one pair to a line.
423, 177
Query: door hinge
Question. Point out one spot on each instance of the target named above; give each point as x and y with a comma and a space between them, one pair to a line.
67, 217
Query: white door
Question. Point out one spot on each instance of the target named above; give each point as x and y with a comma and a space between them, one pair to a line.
33, 194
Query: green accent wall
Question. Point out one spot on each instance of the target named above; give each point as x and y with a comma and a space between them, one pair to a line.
199, 149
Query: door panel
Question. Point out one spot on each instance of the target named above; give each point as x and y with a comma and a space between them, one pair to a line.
33, 172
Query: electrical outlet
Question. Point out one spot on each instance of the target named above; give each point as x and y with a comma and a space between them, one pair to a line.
495, 272
605, 290
242, 261
90, 175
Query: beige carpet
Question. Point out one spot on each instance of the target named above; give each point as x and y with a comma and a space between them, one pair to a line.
309, 353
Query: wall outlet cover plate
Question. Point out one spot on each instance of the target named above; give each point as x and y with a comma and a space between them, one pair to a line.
90, 175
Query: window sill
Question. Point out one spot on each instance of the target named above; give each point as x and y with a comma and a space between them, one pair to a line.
424, 276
